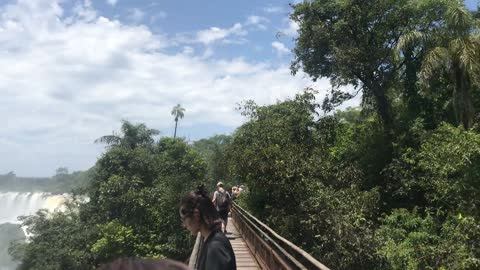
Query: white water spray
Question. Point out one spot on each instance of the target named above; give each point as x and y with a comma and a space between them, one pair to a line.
15, 204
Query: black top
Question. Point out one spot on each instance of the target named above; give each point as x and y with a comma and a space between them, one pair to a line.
217, 253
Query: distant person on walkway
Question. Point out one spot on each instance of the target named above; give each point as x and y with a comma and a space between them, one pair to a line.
198, 214
234, 192
222, 201
144, 264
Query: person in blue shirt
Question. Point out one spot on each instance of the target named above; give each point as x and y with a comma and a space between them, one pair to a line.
198, 214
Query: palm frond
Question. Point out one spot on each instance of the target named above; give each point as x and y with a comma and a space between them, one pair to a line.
178, 112
410, 39
435, 60
469, 61
458, 17
109, 140
153, 132
455, 46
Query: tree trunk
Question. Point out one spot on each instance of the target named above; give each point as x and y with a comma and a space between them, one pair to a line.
411, 94
175, 132
464, 110
384, 111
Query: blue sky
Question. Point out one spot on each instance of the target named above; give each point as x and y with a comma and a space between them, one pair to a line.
72, 69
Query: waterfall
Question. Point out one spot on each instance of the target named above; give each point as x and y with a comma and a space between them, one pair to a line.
14, 204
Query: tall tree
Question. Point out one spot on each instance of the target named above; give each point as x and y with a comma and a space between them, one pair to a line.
353, 42
454, 52
430, 15
134, 135
177, 112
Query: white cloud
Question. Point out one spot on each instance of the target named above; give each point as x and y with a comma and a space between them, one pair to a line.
83, 12
67, 81
290, 29
112, 2
257, 22
214, 34
188, 50
236, 34
280, 48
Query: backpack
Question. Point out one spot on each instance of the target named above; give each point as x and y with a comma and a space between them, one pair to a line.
223, 200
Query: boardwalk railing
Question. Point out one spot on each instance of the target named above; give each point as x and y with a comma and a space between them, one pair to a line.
270, 249
192, 262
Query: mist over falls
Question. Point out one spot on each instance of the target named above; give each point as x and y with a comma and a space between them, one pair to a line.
15, 204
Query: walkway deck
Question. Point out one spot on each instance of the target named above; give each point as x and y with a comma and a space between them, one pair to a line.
245, 259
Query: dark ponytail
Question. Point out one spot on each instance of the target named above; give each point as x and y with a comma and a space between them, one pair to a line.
201, 191
200, 200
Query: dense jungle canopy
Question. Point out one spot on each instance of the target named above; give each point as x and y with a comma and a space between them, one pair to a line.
393, 184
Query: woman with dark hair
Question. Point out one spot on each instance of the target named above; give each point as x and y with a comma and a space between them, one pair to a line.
198, 214
144, 264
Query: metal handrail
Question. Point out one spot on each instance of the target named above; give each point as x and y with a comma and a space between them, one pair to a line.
282, 254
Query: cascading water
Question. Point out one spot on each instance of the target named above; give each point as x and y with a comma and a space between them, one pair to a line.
15, 204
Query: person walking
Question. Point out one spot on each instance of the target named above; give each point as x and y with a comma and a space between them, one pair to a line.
234, 193
222, 201
198, 214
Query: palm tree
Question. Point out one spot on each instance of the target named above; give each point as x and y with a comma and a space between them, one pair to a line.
455, 51
133, 136
177, 112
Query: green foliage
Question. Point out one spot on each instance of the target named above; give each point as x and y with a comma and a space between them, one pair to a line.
132, 208
359, 149
302, 180
58, 241
416, 63
352, 42
214, 152
443, 173
115, 241
267, 149
390, 185
410, 240
454, 55
327, 190
449, 160
133, 136
140, 188
337, 226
